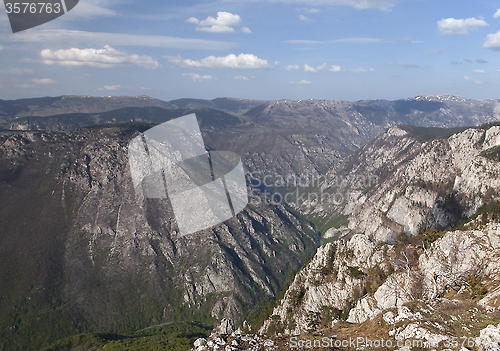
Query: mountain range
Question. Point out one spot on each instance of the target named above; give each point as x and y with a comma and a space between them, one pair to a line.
81, 253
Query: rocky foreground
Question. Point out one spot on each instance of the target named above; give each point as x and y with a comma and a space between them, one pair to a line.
407, 331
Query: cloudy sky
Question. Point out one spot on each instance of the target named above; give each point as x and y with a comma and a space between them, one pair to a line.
258, 49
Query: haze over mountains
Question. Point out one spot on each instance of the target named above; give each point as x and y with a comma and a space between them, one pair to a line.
78, 248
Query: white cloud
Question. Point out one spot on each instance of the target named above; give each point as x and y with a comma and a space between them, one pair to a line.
91, 9
313, 10
102, 58
242, 61
335, 68
193, 20
1, 48
43, 81
246, 30
224, 22
479, 71
241, 77
363, 70
112, 87
215, 29
145, 88
17, 71
497, 14
460, 26
290, 67
61, 36
492, 41
476, 81
316, 69
304, 18
197, 78
404, 65
305, 82
223, 19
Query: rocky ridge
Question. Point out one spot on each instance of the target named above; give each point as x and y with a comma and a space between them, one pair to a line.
391, 258
403, 181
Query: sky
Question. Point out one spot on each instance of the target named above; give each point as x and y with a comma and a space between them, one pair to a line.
258, 49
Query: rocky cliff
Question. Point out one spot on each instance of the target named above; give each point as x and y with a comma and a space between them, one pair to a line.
409, 178
80, 248
390, 253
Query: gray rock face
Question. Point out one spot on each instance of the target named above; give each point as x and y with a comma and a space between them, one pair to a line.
447, 263
225, 327
68, 203
408, 183
343, 272
328, 280
489, 339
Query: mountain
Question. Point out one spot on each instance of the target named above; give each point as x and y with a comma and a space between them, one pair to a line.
157, 115
80, 252
443, 111
409, 178
424, 234
283, 138
69, 104
229, 105
49, 106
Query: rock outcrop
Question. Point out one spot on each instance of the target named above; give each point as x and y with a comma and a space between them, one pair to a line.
406, 180
369, 271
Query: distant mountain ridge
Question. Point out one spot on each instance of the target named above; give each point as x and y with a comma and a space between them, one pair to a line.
449, 108
68, 104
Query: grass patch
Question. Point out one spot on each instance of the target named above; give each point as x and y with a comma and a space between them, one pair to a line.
323, 224
492, 153
355, 272
171, 337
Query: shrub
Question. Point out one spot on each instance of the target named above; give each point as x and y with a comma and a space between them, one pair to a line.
275, 326
349, 305
355, 272
374, 279
313, 320
476, 287
296, 296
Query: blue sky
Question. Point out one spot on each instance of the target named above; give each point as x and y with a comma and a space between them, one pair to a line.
258, 49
